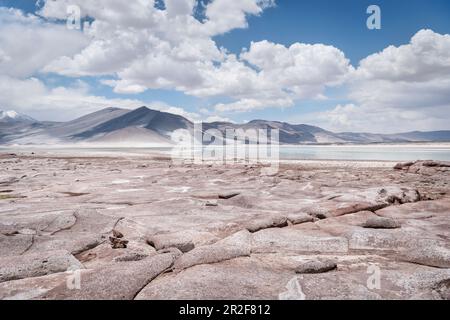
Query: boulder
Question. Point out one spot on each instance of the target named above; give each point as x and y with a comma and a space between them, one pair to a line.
316, 266
37, 264
298, 218
428, 167
237, 245
381, 223
185, 241
116, 281
164, 241
429, 254
403, 165
266, 222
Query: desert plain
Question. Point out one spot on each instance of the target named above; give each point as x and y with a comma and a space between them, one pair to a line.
144, 227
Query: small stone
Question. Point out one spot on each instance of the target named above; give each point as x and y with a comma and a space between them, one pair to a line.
443, 288
316, 266
211, 204
117, 234
117, 243
317, 212
297, 218
266, 223
182, 244
403, 165
228, 195
381, 223
185, 240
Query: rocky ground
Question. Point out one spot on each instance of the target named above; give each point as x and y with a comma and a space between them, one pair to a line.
145, 228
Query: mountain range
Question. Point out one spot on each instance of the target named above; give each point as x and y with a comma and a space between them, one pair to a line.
144, 126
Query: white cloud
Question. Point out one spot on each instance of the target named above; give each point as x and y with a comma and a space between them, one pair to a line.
67, 103
171, 49
32, 97
401, 88
425, 58
416, 75
277, 76
179, 7
253, 104
142, 47
28, 44
350, 117
300, 64
225, 15
218, 119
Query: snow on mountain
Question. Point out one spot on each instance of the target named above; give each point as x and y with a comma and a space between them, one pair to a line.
14, 117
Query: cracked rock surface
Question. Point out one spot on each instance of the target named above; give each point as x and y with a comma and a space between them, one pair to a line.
316, 230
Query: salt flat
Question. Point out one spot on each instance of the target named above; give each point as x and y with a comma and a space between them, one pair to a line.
133, 226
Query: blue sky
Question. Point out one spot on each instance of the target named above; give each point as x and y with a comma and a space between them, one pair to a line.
342, 24
338, 24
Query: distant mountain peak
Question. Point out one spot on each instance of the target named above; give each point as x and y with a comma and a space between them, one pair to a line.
111, 125
144, 108
13, 116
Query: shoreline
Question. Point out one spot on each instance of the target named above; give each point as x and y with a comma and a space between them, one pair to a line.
159, 155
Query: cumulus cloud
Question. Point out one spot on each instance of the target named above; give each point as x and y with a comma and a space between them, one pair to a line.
425, 58
148, 48
225, 15
403, 88
66, 103
139, 45
351, 117
143, 47
416, 75
28, 44
406, 86
33, 97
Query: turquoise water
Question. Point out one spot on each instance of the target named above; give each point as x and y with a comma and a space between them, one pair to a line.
406, 152
370, 152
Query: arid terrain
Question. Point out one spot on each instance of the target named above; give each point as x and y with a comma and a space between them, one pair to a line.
126, 227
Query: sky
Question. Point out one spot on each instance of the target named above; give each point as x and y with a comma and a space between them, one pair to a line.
313, 62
